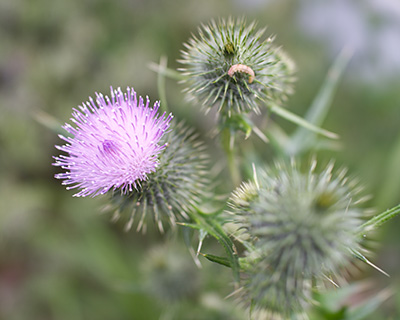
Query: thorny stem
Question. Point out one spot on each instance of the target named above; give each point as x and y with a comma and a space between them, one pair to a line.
228, 139
379, 219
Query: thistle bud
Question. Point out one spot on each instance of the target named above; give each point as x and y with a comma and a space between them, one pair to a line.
301, 226
230, 66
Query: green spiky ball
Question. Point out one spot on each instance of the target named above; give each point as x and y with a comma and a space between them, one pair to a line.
229, 65
302, 227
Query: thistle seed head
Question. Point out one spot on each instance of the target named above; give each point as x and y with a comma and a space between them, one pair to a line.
229, 65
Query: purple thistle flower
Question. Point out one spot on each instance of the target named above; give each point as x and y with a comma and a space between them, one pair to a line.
115, 144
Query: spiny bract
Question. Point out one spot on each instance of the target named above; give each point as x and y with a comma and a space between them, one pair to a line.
230, 66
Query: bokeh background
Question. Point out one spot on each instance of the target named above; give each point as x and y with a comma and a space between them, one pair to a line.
61, 259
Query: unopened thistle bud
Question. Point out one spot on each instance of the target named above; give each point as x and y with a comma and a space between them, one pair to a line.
230, 66
171, 191
302, 226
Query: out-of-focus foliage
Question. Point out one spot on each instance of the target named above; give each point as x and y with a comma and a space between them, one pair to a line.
61, 259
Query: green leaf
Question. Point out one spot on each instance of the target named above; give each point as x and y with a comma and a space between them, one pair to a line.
49, 122
303, 138
301, 122
238, 122
332, 305
368, 306
161, 84
210, 225
167, 72
390, 190
379, 220
220, 260
189, 225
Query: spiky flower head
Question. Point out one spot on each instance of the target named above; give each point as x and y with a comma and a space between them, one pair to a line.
113, 145
302, 227
178, 184
231, 66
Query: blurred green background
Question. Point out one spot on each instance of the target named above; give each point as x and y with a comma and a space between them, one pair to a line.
61, 259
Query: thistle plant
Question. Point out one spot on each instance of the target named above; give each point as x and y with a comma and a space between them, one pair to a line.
286, 233
229, 65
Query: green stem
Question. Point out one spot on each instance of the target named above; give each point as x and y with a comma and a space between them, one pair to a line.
161, 84
227, 137
233, 168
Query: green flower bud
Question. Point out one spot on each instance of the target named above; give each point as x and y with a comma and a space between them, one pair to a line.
230, 66
301, 226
